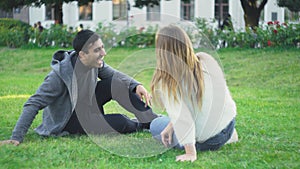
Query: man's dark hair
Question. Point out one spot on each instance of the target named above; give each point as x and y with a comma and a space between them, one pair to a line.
83, 39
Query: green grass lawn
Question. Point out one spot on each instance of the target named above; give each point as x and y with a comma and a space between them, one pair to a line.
265, 83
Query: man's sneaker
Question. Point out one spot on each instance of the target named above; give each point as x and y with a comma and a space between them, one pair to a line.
141, 126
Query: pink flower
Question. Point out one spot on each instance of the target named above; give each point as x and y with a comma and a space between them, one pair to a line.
269, 43
270, 23
276, 22
275, 31
141, 29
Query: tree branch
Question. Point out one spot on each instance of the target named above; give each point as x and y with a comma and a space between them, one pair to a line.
262, 5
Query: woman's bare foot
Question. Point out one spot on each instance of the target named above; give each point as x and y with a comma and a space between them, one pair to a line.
234, 137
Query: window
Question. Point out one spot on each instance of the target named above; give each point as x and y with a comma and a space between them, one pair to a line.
221, 9
17, 10
86, 12
153, 13
119, 9
274, 16
187, 11
49, 12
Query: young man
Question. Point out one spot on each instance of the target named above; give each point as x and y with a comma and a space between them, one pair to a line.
72, 96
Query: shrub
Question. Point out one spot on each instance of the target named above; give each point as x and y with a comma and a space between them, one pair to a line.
109, 34
272, 34
282, 34
57, 35
13, 33
127, 37
205, 28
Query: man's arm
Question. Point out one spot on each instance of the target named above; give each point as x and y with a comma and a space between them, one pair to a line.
107, 71
49, 90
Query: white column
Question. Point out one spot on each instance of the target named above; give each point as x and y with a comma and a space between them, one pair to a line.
36, 14
102, 11
204, 9
237, 15
70, 14
170, 11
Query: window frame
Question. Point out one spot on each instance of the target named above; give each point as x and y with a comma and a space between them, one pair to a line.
187, 10
121, 6
87, 16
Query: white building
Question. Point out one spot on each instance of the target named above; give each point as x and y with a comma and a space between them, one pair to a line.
168, 11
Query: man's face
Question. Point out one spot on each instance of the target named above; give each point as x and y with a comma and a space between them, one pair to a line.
94, 57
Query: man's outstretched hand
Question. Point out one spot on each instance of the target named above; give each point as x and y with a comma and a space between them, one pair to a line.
143, 94
14, 142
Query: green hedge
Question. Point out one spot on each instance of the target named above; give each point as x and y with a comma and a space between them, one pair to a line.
127, 37
273, 34
56, 35
13, 33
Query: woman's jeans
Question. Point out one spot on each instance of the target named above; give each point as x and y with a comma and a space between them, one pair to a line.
213, 143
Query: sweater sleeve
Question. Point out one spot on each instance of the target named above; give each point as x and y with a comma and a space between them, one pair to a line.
107, 71
49, 90
182, 120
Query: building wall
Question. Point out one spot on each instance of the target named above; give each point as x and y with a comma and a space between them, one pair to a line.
272, 7
103, 11
37, 14
22, 14
204, 9
5, 14
170, 13
70, 14
237, 14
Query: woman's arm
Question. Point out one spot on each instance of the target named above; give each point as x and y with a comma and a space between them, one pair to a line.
190, 149
183, 125
167, 135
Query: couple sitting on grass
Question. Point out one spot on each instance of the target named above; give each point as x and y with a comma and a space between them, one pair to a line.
191, 87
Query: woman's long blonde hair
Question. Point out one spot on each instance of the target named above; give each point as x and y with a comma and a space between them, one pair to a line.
178, 69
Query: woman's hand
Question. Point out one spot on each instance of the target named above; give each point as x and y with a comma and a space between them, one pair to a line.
186, 157
167, 135
190, 153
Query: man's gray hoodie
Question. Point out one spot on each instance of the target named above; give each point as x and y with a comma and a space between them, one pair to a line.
57, 95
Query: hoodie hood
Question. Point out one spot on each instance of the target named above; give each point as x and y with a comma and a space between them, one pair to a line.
60, 57
62, 65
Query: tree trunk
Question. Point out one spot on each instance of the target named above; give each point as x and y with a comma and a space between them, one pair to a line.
58, 13
252, 12
252, 18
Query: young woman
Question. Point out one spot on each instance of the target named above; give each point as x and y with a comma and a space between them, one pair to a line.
192, 89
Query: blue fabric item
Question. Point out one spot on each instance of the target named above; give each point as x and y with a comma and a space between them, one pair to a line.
213, 143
